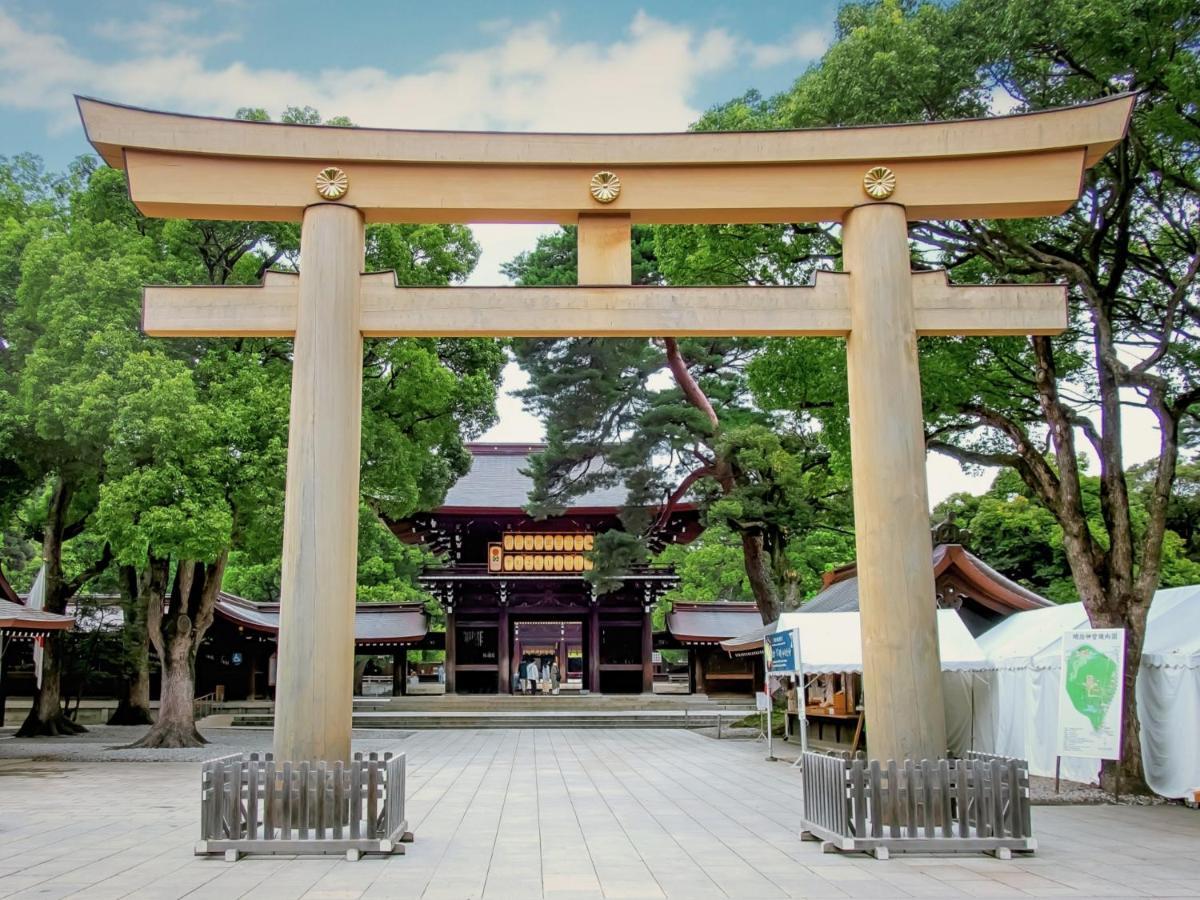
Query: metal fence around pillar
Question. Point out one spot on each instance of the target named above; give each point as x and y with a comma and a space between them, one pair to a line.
977, 804
249, 803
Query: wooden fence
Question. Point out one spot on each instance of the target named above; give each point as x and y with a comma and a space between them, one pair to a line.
251, 804
969, 805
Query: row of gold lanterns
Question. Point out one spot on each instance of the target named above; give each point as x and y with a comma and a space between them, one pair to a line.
554, 542
529, 562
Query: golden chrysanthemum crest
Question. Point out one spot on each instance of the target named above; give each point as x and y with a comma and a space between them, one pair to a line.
605, 187
879, 182
332, 183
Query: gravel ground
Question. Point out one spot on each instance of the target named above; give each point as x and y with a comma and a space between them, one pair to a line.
1074, 793
104, 743
1041, 790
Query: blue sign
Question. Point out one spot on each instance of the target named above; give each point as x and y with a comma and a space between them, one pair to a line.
782, 652
237, 659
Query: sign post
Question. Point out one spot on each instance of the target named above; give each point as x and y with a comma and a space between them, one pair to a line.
781, 656
1091, 693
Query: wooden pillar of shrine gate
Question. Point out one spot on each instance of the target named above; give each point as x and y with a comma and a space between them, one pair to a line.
503, 663
902, 679
605, 256
314, 698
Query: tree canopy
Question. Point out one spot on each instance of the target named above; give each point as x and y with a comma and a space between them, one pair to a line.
167, 458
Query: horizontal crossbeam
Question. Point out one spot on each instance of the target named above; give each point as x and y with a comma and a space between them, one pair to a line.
603, 311
999, 167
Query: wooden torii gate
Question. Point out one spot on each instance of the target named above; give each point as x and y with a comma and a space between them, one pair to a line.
872, 180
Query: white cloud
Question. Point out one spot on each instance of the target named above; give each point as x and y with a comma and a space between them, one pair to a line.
162, 25
529, 78
515, 424
800, 46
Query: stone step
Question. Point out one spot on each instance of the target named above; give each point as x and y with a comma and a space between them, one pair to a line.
543, 703
520, 719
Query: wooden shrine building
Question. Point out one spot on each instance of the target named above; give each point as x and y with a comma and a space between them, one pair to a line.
513, 587
962, 581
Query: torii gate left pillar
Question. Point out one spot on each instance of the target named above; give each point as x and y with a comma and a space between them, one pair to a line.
1005, 167
314, 693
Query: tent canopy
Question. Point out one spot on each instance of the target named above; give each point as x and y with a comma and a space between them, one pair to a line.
1034, 637
832, 642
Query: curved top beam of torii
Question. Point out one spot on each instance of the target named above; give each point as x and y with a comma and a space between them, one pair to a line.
999, 167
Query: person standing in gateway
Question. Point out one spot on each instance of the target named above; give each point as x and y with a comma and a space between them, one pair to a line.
531, 673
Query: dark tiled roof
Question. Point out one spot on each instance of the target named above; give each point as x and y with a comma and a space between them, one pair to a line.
710, 623
374, 623
842, 594
496, 481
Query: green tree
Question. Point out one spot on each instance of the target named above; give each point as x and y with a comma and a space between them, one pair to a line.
1127, 250
670, 420
171, 453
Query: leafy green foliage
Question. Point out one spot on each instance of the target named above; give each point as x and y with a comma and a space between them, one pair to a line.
1016, 534
614, 416
161, 454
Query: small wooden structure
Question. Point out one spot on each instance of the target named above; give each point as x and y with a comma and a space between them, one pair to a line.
970, 805
251, 804
20, 622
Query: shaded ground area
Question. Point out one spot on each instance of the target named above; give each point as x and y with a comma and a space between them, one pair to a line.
553, 813
104, 743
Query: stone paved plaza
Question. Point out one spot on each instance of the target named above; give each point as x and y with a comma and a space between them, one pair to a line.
553, 813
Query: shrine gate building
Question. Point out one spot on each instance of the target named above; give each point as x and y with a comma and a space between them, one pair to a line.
513, 587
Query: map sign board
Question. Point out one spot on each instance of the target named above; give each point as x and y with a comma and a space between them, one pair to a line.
781, 651
1091, 693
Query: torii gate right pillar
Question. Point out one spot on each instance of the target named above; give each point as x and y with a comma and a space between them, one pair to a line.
902, 679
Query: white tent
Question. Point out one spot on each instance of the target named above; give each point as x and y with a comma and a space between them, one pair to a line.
1018, 714
832, 643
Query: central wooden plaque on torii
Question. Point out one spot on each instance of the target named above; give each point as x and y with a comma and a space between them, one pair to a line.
872, 180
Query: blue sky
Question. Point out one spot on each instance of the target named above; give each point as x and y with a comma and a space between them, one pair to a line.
518, 65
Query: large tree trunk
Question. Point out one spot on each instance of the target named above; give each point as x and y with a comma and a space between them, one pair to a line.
46, 717
759, 573
176, 724
1129, 767
134, 707
176, 633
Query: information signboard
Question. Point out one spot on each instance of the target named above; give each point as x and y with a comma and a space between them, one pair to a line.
1091, 692
781, 651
